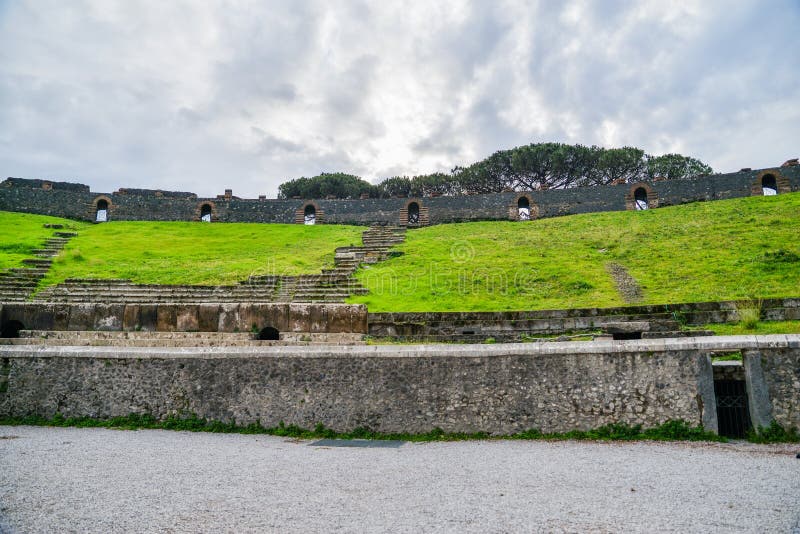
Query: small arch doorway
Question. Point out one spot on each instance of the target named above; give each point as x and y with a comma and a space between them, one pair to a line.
269, 334
205, 213
101, 215
310, 215
640, 199
769, 185
524, 209
11, 329
413, 213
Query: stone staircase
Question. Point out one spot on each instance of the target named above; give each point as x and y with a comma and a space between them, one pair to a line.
333, 285
17, 284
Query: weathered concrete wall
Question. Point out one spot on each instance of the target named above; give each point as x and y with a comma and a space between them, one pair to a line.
77, 202
493, 388
312, 318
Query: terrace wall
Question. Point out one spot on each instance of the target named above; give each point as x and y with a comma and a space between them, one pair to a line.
311, 318
422, 325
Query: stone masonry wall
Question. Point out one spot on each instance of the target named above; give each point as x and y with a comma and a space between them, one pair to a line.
781, 371
285, 317
75, 201
459, 388
423, 324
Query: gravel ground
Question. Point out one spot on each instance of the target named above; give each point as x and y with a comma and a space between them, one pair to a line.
96, 480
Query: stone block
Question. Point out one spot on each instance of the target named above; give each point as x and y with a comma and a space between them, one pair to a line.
186, 318
148, 317
229, 318
61, 314
274, 315
166, 318
81, 317
108, 317
299, 318
39, 317
131, 318
318, 318
208, 317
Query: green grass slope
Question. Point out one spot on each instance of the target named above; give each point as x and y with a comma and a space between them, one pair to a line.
198, 253
21, 233
696, 252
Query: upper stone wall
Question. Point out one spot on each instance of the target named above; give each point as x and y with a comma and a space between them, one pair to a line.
75, 201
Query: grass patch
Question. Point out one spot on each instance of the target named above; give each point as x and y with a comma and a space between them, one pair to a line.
760, 328
774, 433
706, 251
669, 431
197, 253
21, 233
730, 357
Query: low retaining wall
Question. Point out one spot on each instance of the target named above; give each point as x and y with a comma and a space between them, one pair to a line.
311, 318
459, 388
502, 325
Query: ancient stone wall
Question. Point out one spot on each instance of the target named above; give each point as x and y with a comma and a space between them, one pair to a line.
430, 324
781, 375
462, 388
311, 318
77, 202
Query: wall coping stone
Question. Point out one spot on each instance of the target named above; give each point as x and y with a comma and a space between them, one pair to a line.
567, 348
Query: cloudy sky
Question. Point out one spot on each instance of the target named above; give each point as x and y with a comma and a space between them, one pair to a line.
203, 95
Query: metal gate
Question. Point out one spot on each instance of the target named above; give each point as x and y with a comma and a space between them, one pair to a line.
733, 412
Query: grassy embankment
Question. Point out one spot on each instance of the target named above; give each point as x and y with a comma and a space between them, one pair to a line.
197, 253
21, 233
708, 251
697, 252
175, 252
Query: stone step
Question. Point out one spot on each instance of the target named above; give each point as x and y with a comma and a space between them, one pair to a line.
67, 235
677, 333
37, 262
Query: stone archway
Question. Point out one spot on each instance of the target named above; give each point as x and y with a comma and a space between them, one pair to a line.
101, 209
641, 196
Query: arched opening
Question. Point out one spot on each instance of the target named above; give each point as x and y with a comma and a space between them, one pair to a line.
524, 209
205, 213
11, 329
413, 213
769, 185
310, 215
640, 198
269, 334
101, 215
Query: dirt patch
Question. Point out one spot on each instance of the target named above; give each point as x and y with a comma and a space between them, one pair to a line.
627, 286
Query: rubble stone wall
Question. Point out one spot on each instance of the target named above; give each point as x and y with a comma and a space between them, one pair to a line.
460, 388
75, 201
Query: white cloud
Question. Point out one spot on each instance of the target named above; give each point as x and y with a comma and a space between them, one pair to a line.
204, 96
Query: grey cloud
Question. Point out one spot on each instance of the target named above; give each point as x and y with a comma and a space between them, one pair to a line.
207, 96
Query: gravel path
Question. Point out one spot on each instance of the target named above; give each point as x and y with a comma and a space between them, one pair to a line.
96, 480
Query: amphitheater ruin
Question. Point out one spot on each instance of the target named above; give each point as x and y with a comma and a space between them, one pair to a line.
289, 349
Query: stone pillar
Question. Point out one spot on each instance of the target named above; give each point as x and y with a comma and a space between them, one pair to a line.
757, 392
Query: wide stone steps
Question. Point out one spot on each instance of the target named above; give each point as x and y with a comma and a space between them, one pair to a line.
17, 284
